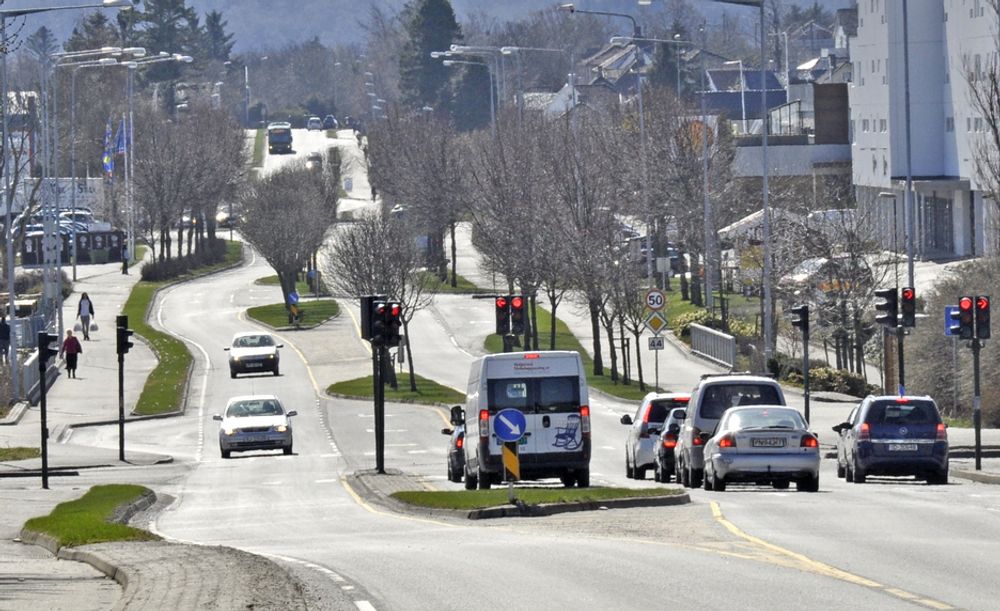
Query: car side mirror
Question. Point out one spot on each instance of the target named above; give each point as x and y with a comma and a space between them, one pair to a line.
626, 419
457, 415
292, 413
226, 348
840, 428
447, 431
217, 417
280, 346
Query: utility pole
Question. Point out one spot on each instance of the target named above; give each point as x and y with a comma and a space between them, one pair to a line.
122, 334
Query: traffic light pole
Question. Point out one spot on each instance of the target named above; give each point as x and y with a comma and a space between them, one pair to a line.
42, 366
977, 414
805, 367
900, 334
378, 354
121, 407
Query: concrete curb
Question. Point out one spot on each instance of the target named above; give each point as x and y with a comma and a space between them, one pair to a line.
15, 413
977, 476
334, 395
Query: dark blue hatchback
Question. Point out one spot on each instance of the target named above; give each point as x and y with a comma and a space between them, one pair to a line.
893, 435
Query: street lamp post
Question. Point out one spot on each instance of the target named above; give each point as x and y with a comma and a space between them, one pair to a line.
743, 92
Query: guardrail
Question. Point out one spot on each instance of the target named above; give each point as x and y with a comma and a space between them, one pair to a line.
26, 330
713, 345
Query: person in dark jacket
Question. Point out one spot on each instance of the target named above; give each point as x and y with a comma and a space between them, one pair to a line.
71, 349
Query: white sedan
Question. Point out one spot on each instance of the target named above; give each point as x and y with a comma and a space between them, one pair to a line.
762, 444
255, 422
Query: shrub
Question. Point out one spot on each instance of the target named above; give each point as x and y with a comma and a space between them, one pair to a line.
834, 380
213, 252
681, 325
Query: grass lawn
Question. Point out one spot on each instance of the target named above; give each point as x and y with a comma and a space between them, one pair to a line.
85, 520
301, 286
565, 340
428, 391
162, 392
140, 253
313, 312
464, 286
477, 499
259, 142
19, 453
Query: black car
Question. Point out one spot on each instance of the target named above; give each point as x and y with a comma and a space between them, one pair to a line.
893, 435
456, 455
668, 441
329, 122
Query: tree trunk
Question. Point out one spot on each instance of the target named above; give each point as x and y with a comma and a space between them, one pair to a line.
609, 326
286, 278
180, 240
409, 356
595, 327
534, 321
454, 262
685, 295
625, 367
552, 325
696, 285
164, 244
638, 359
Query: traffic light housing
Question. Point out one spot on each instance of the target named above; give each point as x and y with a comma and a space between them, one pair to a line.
379, 329
966, 317
889, 307
367, 305
908, 306
983, 316
45, 349
393, 314
800, 317
502, 307
123, 333
516, 314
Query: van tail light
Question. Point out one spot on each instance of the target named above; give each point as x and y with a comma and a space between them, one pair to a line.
460, 442
808, 441
942, 432
585, 420
484, 423
727, 441
865, 433
670, 442
696, 437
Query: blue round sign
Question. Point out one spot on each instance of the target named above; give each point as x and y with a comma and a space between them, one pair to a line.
509, 425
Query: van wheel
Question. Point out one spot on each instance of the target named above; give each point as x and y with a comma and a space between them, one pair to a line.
567, 480
583, 478
640, 473
470, 482
484, 480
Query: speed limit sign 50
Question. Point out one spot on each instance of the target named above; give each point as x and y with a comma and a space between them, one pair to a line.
655, 300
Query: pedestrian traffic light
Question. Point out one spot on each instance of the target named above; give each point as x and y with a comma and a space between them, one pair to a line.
393, 321
800, 317
982, 316
123, 333
379, 327
517, 314
45, 349
503, 315
908, 306
966, 326
889, 307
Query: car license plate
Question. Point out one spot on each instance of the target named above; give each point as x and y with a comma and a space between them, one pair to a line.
902, 447
252, 365
768, 442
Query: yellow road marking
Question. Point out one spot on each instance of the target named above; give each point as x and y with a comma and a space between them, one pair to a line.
360, 501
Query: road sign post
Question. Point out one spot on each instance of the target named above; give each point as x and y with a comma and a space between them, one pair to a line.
509, 425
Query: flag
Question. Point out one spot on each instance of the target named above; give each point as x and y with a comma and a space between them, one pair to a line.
108, 159
120, 139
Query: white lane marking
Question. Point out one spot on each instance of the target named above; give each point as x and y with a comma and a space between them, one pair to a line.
608, 447
364, 605
346, 588
332, 455
417, 452
387, 430
400, 445
327, 481
278, 483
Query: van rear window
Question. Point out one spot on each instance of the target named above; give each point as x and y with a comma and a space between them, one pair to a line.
535, 395
911, 412
720, 397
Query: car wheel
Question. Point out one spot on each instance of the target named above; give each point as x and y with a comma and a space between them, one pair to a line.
657, 472
780, 484
276, 370
629, 473
939, 479
226, 453
841, 470
450, 473
685, 475
707, 483
809, 484
859, 474
287, 450
665, 475
696, 475
719, 483
484, 480
848, 472
232, 373
583, 478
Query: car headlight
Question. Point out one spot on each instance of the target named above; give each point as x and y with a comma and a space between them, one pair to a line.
281, 428
228, 431
236, 359
270, 356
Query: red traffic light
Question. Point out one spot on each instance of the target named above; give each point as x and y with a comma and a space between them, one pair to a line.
907, 294
965, 304
982, 303
501, 302
516, 302
394, 311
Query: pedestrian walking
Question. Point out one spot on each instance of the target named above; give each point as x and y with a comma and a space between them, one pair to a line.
71, 349
84, 312
4, 338
125, 259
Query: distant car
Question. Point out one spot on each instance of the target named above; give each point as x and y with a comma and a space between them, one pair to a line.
253, 352
314, 161
643, 436
668, 441
765, 445
330, 122
255, 422
456, 441
893, 435
225, 220
314, 123
820, 277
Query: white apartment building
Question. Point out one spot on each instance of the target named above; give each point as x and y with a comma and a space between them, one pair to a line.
947, 39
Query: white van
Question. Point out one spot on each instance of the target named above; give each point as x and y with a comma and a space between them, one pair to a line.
550, 389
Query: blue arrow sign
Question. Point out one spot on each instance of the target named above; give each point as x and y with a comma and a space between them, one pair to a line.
949, 310
509, 425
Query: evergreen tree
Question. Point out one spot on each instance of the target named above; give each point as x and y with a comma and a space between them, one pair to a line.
94, 31
472, 99
665, 62
42, 44
218, 43
431, 26
171, 26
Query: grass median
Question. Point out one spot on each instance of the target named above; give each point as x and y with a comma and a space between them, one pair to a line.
19, 453
479, 499
428, 391
313, 313
164, 386
259, 141
87, 519
464, 286
301, 286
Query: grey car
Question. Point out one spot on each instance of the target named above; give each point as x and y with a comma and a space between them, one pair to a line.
254, 422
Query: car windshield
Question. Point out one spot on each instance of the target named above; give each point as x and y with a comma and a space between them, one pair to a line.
720, 397
254, 407
894, 413
763, 418
253, 341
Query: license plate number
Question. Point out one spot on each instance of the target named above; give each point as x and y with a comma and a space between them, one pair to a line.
257, 438
768, 442
252, 365
902, 447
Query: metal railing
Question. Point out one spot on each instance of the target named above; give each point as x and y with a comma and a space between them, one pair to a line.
713, 345
26, 330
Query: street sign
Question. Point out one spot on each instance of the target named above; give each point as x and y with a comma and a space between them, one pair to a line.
656, 343
511, 462
509, 425
655, 299
656, 322
950, 315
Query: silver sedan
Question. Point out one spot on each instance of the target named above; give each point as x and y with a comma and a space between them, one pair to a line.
255, 422
762, 444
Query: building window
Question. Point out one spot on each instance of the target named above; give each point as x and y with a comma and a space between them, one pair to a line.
864, 125
882, 125
968, 124
979, 124
949, 124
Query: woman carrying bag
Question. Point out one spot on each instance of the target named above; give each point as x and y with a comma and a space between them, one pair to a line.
84, 312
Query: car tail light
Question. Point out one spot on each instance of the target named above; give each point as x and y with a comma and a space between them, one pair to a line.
585, 420
942, 432
670, 442
644, 429
696, 437
902, 401
484, 423
865, 433
727, 441
808, 441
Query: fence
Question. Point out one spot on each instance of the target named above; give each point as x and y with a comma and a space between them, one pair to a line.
713, 345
